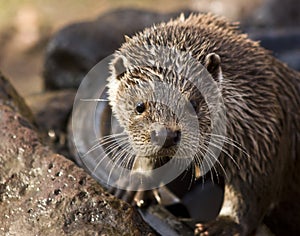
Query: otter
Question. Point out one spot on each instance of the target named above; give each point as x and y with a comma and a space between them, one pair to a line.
260, 96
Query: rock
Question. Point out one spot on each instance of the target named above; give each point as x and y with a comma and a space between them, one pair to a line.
284, 43
276, 25
9, 97
277, 14
51, 111
42, 193
75, 49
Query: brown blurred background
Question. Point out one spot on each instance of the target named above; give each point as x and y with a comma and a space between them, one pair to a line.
27, 26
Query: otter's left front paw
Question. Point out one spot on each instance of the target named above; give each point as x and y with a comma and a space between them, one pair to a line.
222, 226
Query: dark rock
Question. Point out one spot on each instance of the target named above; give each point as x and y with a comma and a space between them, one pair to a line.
75, 49
276, 25
284, 43
277, 14
42, 193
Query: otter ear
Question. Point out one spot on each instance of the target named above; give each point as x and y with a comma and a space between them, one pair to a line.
118, 67
213, 66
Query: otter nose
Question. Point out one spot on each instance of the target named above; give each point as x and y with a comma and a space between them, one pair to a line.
165, 137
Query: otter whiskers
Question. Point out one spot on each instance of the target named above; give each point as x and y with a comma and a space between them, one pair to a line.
93, 100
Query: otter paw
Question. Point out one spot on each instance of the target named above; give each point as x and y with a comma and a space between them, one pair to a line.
140, 198
222, 226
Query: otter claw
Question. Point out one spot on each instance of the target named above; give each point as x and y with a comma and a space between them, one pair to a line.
135, 198
222, 226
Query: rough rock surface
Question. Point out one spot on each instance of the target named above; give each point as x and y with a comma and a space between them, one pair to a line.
42, 193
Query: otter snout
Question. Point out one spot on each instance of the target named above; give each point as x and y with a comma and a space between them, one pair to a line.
165, 137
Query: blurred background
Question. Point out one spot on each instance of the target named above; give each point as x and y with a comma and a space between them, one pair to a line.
27, 26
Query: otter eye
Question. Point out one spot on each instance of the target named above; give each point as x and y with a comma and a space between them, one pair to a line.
140, 107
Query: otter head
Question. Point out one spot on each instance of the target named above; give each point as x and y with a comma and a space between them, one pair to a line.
159, 101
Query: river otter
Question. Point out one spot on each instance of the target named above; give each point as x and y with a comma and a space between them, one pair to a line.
261, 97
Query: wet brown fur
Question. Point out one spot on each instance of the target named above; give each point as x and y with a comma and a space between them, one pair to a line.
262, 99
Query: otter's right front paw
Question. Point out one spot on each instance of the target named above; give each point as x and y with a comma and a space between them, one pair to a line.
222, 226
134, 194
135, 198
